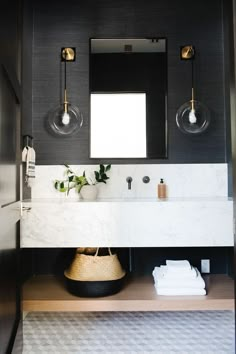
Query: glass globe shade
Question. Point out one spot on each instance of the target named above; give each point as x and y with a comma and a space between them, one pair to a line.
65, 123
193, 122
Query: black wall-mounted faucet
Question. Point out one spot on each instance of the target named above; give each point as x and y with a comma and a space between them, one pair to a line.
129, 180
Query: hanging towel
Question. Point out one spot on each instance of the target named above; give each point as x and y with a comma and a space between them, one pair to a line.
28, 156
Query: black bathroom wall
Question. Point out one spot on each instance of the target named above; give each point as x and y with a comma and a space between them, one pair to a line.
143, 260
72, 24
55, 25
27, 49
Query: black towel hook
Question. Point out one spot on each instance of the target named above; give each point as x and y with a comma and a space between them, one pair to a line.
28, 140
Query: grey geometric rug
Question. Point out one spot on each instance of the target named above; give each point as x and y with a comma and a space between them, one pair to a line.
129, 332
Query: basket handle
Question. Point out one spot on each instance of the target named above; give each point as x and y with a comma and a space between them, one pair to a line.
109, 250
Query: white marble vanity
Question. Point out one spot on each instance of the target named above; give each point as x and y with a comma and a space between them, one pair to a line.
132, 222
198, 214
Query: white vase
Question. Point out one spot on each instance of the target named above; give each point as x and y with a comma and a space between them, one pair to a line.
89, 192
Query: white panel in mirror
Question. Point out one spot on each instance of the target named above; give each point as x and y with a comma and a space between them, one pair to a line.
122, 68
118, 125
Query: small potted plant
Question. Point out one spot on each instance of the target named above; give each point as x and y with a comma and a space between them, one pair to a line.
85, 184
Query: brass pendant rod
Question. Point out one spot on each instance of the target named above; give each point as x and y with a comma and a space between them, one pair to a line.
65, 102
192, 100
65, 93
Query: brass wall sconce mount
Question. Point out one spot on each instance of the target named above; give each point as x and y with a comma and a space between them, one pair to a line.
187, 52
68, 54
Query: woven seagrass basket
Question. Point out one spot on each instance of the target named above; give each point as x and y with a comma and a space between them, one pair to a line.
94, 275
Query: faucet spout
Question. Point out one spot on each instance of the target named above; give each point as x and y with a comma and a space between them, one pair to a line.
129, 180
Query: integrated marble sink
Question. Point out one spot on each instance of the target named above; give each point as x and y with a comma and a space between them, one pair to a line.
127, 222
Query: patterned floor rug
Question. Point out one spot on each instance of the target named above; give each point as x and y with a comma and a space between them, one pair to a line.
130, 332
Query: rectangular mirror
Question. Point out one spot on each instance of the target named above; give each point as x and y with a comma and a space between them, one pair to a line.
128, 90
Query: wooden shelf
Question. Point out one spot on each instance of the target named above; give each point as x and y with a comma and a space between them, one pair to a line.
47, 293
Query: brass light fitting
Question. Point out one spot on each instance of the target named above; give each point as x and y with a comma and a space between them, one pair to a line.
66, 119
65, 103
193, 117
187, 52
68, 54
192, 100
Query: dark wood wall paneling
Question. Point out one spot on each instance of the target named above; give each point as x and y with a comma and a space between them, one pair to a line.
233, 117
27, 49
229, 97
232, 67
27, 109
10, 98
72, 25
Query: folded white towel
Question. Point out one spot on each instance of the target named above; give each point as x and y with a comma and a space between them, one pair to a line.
194, 283
181, 291
165, 272
28, 156
178, 265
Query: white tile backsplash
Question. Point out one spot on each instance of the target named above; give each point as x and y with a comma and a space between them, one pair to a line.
183, 180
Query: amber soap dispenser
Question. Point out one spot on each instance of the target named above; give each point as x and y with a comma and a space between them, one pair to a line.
161, 190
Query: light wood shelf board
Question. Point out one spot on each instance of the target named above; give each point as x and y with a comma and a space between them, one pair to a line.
47, 293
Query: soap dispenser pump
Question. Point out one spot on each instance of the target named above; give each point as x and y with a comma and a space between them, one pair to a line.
161, 189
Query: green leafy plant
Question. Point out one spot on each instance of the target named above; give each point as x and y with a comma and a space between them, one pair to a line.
88, 178
101, 175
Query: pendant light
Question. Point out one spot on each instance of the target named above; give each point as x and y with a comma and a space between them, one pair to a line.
193, 117
67, 119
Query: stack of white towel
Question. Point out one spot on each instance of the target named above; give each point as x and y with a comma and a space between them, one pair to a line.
178, 278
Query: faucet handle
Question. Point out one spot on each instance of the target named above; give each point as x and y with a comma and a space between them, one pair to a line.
146, 179
129, 180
